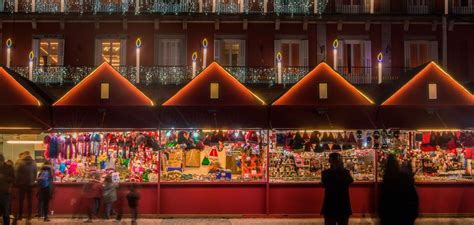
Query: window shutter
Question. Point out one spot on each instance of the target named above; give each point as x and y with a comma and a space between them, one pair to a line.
304, 53
98, 52
217, 50
407, 54
434, 51
242, 58
277, 46
61, 52
340, 55
367, 59
123, 52
35, 48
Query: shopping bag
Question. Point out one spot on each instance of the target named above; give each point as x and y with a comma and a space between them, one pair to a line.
193, 158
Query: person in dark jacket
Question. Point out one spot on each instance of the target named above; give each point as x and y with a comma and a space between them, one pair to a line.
336, 180
6, 180
132, 199
92, 193
45, 189
25, 174
398, 201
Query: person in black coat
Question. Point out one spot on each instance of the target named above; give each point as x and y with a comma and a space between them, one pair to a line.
398, 201
336, 180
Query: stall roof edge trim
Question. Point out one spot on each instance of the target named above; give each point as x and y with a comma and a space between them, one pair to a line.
31, 98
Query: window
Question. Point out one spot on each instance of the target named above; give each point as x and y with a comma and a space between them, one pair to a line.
323, 91
432, 91
111, 51
48, 52
420, 52
230, 52
171, 52
104, 90
294, 52
214, 90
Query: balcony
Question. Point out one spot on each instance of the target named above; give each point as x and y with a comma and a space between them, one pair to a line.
342, 6
178, 75
292, 6
420, 7
174, 6
462, 7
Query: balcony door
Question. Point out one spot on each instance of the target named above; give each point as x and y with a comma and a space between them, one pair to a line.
354, 56
294, 52
230, 52
112, 51
420, 52
48, 51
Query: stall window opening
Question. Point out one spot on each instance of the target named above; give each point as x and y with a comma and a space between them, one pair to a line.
323, 90
214, 91
432, 91
104, 91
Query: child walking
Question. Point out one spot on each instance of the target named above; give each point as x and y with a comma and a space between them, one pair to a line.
132, 199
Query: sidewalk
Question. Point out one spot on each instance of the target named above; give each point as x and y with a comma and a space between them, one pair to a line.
219, 221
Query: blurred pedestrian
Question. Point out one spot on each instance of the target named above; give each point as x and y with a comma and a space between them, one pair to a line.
110, 195
45, 189
336, 180
6, 180
92, 193
25, 174
132, 199
398, 201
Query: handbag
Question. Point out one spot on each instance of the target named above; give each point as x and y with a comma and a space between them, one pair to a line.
192, 158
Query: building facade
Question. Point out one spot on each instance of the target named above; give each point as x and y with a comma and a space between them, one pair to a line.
69, 38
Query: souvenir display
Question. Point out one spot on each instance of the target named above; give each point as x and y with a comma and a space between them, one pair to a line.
197, 155
303, 155
127, 156
433, 155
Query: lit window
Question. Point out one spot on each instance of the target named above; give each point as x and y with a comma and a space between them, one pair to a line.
214, 93
111, 50
323, 90
48, 52
432, 91
104, 91
231, 53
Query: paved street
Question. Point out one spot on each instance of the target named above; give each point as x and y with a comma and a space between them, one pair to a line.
272, 221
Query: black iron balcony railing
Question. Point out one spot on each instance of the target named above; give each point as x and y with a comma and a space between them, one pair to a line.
361, 8
420, 7
177, 75
462, 7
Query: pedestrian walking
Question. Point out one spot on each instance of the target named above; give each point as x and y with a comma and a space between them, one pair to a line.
110, 195
45, 189
25, 174
92, 194
6, 180
132, 199
336, 180
398, 201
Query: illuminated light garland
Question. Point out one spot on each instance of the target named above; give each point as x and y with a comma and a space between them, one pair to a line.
283, 99
420, 74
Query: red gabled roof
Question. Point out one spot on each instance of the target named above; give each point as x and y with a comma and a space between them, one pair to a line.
415, 91
13, 93
340, 91
87, 92
231, 91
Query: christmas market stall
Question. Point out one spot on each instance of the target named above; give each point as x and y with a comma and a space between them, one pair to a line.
104, 126
431, 116
23, 105
320, 114
214, 147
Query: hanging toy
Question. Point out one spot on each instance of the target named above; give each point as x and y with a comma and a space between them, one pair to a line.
213, 154
62, 147
95, 144
47, 143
